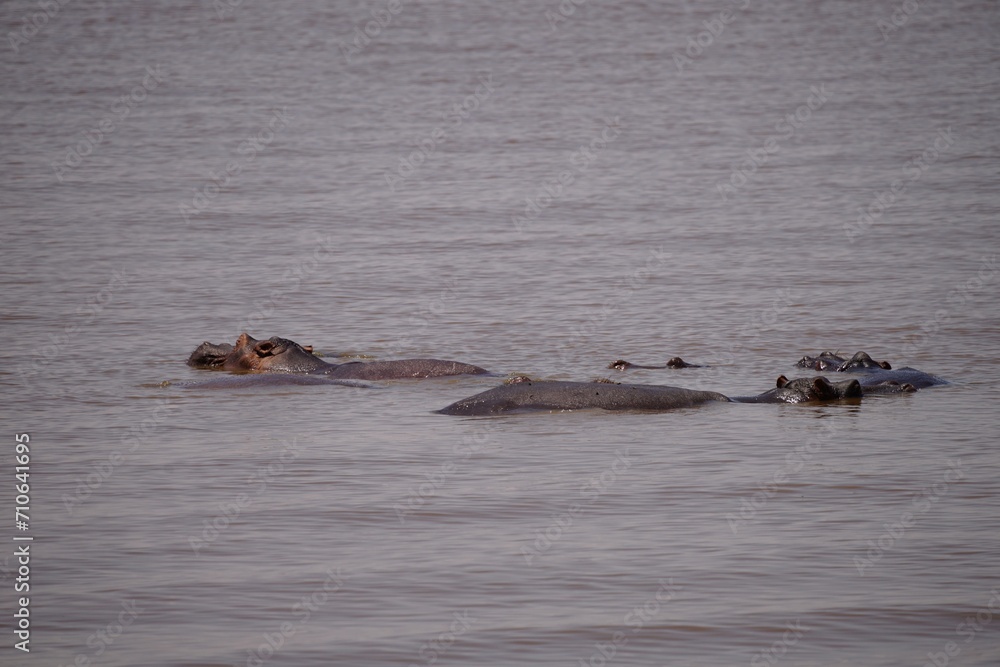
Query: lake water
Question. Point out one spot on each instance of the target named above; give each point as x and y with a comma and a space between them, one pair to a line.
533, 187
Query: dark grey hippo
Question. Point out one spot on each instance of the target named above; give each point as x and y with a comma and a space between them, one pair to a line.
806, 390
675, 362
280, 355
876, 377
831, 361
526, 395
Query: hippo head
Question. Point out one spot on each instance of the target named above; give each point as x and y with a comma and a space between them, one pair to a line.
803, 390
862, 360
824, 361
210, 355
274, 355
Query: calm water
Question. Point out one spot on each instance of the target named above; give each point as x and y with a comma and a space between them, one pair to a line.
533, 192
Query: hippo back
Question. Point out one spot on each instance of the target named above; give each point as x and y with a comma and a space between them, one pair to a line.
403, 368
524, 396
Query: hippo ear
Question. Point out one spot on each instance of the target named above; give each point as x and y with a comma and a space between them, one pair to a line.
885, 365
264, 348
308, 348
244, 340
782, 381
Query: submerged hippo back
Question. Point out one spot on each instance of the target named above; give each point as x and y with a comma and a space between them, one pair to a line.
403, 368
903, 376
579, 395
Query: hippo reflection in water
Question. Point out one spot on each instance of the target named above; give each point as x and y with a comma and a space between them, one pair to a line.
280, 355
526, 394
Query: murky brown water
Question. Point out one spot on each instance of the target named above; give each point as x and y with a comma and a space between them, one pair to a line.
491, 183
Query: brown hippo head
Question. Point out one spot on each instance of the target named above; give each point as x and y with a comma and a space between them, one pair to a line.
274, 355
210, 355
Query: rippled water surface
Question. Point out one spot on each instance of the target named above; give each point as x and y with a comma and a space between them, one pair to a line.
536, 188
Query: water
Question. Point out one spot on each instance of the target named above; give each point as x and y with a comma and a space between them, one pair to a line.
421, 539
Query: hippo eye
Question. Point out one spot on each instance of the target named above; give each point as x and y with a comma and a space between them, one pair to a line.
264, 348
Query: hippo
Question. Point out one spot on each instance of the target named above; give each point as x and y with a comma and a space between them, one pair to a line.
805, 390
831, 361
280, 355
876, 377
209, 355
675, 362
526, 394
